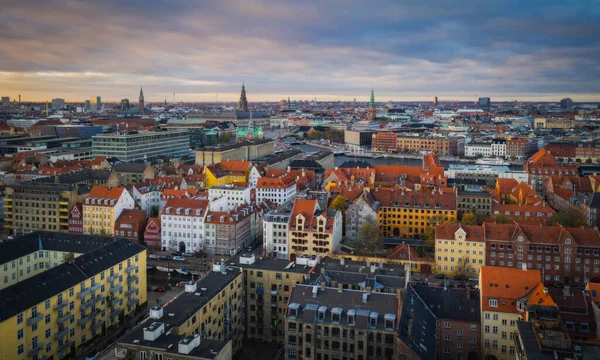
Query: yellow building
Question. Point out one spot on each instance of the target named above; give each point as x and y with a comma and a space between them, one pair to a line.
313, 231
506, 296
269, 283
459, 249
227, 172
52, 313
102, 207
212, 308
407, 214
33, 206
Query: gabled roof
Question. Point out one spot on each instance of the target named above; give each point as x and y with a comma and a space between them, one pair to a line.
542, 157
130, 168
506, 285
104, 193
193, 205
448, 231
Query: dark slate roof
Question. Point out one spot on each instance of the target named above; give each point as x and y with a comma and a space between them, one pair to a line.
306, 164
129, 168
595, 201
74, 177
379, 303
417, 326
352, 164
36, 289
187, 304
451, 304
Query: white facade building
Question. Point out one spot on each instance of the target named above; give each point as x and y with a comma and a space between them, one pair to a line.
146, 197
278, 190
482, 149
499, 148
275, 231
234, 196
253, 177
182, 223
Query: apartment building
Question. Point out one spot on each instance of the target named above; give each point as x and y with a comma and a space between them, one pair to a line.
131, 224
499, 147
227, 233
479, 149
206, 321
33, 206
313, 231
362, 210
76, 219
330, 323
60, 304
269, 283
234, 194
134, 173
227, 172
275, 231
182, 222
146, 196
476, 201
141, 145
538, 214
407, 214
102, 207
440, 145
541, 166
384, 141
460, 249
456, 314
520, 148
277, 190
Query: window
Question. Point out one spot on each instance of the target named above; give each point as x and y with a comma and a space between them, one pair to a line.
447, 324
459, 333
493, 303
19, 319
20, 349
473, 327
20, 334
447, 337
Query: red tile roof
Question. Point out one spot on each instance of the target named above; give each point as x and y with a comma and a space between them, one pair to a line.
507, 285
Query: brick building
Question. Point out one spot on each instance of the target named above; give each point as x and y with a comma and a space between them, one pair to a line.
384, 141
152, 233
76, 220
440, 145
131, 224
542, 165
520, 148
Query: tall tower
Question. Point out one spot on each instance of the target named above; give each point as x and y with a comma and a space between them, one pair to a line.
372, 110
243, 103
289, 103
141, 101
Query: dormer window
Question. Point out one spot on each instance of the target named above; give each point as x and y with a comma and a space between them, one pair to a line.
168, 211
389, 321
321, 313
199, 211
293, 310
373, 319
493, 303
567, 241
336, 315
351, 317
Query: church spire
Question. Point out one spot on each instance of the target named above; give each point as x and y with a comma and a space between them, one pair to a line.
243, 104
141, 103
141, 94
372, 103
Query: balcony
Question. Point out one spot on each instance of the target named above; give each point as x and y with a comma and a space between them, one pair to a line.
132, 302
131, 279
65, 317
61, 334
130, 291
85, 293
260, 291
35, 319
130, 268
273, 303
95, 313
95, 287
98, 325
60, 305
114, 312
36, 349
83, 320
115, 288
274, 292
86, 304
113, 277
65, 346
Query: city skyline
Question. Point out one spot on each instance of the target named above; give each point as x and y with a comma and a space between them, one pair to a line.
329, 51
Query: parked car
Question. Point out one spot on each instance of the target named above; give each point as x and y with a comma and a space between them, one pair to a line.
159, 289
93, 356
178, 258
577, 351
440, 276
164, 257
153, 256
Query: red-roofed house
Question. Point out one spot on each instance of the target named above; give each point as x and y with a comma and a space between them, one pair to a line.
278, 190
76, 219
313, 231
131, 224
102, 207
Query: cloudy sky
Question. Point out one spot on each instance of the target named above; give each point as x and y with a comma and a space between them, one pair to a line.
328, 49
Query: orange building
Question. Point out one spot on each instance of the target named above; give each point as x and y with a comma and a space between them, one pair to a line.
384, 141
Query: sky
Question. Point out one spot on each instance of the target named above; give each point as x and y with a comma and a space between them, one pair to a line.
328, 49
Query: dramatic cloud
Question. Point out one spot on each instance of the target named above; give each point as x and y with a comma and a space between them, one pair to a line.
334, 49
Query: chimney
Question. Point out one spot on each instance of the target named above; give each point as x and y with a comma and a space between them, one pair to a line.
368, 289
342, 261
524, 266
322, 285
340, 288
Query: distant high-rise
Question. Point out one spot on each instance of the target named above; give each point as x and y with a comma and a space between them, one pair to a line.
566, 103
484, 103
243, 103
88, 105
5, 99
141, 101
435, 100
95, 104
58, 103
125, 104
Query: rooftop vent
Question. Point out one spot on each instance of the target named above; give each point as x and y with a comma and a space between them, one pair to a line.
188, 343
156, 312
190, 287
153, 331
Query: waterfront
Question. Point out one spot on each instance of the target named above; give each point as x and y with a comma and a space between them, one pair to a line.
386, 161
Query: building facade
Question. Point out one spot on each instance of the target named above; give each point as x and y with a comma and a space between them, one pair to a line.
313, 231
460, 249
76, 220
142, 145
384, 141
277, 190
182, 222
102, 207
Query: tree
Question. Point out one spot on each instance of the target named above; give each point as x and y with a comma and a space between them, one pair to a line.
569, 218
69, 257
578, 160
315, 135
225, 137
368, 240
500, 219
339, 203
469, 219
463, 268
154, 211
588, 160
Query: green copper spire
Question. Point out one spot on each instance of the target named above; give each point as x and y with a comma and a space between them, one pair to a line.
372, 104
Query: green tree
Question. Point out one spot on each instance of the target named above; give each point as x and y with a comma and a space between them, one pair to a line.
569, 218
469, 219
588, 160
339, 203
225, 137
368, 241
500, 219
315, 135
578, 160
154, 211
69, 258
